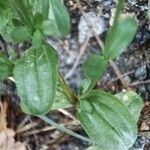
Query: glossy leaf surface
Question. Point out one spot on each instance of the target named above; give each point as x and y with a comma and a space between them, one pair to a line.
58, 23
6, 67
120, 36
95, 66
110, 123
133, 101
36, 77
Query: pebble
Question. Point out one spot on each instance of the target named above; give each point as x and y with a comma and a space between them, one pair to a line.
86, 23
142, 90
127, 80
98, 0
141, 142
148, 87
141, 73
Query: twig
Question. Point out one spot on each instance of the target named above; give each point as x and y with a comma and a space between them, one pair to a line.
123, 75
118, 73
26, 127
48, 128
146, 134
23, 122
83, 48
65, 47
139, 82
68, 114
113, 65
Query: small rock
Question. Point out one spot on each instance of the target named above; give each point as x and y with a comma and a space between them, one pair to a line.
144, 126
141, 142
127, 80
148, 87
86, 23
107, 3
70, 60
141, 73
141, 89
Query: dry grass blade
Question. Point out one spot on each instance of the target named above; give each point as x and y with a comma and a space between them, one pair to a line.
7, 141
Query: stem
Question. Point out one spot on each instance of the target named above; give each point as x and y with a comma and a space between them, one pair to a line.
62, 128
68, 92
119, 8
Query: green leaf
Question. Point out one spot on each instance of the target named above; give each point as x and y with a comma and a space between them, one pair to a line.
20, 34
120, 36
16, 22
37, 39
58, 23
84, 85
6, 67
23, 9
3, 4
6, 25
94, 147
110, 123
95, 66
39, 10
133, 101
36, 77
61, 101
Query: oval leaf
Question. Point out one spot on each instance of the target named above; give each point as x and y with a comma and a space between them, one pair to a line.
120, 36
20, 34
36, 77
110, 123
133, 101
6, 67
58, 23
6, 25
95, 66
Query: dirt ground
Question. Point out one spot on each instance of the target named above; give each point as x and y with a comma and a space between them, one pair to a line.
133, 71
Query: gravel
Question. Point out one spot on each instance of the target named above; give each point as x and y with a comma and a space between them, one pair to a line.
141, 73
86, 22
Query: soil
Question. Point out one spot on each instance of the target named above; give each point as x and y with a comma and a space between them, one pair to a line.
134, 64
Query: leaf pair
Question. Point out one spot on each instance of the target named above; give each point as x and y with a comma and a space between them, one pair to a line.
118, 38
107, 121
36, 77
48, 16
